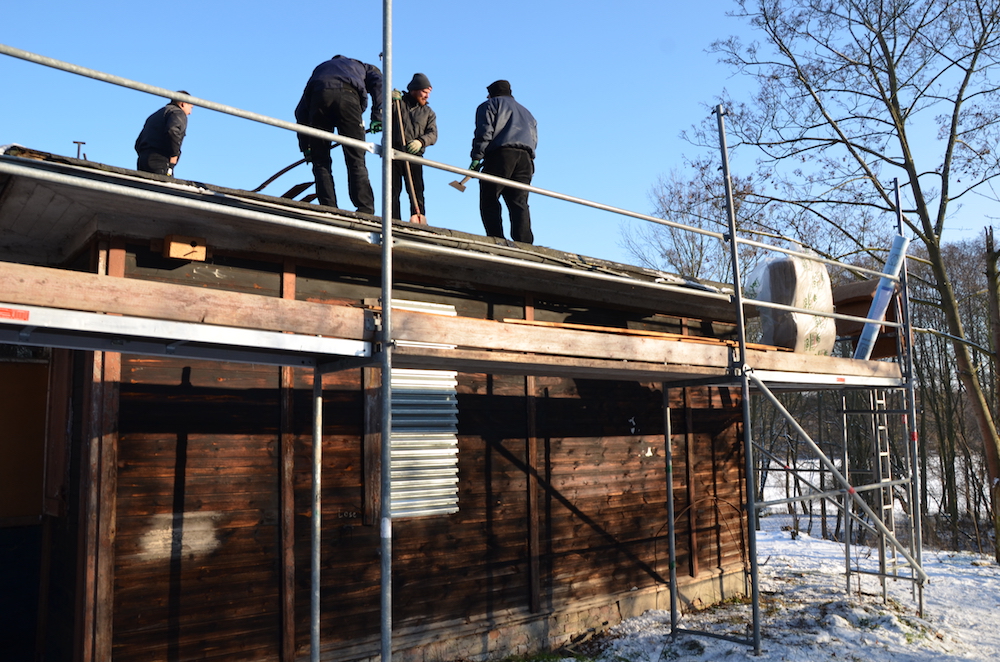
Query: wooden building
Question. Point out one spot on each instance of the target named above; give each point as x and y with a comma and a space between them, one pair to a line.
160, 339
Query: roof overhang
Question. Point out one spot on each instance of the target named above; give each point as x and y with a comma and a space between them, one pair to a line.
51, 206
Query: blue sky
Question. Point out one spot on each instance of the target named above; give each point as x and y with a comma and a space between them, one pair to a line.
611, 85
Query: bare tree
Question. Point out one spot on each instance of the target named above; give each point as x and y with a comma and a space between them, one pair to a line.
853, 94
697, 198
949, 436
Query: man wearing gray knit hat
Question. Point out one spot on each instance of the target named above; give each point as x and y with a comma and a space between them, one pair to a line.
414, 131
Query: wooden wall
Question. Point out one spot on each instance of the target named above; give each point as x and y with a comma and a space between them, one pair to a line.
196, 553
562, 492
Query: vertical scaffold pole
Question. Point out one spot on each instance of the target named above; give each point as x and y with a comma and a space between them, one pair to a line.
742, 368
668, 450
317, 514
385, 518
847, 510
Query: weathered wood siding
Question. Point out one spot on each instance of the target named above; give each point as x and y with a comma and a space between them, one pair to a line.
196, 551
198, 554
198, 547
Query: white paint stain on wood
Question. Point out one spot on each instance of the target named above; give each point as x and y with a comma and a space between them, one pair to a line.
183, 534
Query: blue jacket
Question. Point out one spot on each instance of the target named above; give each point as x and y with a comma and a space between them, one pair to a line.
340, 72
503, 122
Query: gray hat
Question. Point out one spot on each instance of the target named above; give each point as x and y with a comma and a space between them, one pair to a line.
419, 82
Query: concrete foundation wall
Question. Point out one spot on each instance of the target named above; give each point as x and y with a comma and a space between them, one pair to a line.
521, 633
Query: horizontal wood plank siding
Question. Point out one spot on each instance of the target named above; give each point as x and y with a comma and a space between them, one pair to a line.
197, 539
198, 572
602, 503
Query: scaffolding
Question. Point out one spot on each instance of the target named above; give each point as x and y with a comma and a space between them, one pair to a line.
887, 397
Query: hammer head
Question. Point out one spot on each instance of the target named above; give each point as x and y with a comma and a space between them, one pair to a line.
458, 185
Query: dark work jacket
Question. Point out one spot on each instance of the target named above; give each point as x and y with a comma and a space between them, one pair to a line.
163, 132
419, 122
343, 72
503, 122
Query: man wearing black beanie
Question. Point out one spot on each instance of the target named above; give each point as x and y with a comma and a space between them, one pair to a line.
504, 145
419, 131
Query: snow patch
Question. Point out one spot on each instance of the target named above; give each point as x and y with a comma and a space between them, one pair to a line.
807, 615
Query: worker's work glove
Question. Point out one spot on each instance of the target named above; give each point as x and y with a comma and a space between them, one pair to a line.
307, 154
476, 165
170, 171
397, 95
376, 127
413, 147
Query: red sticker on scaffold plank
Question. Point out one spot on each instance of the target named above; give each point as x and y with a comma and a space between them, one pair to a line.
14, 314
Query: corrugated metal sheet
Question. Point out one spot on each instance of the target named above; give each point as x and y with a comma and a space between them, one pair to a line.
424, 464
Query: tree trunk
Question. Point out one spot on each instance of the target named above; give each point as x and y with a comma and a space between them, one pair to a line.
992, 451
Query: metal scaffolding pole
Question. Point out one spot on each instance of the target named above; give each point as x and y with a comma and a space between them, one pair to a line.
317, 514
385, 519
743, 371
846, 466
668, 449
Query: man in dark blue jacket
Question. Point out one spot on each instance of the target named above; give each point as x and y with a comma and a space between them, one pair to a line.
504, 145
335, 97
159, 142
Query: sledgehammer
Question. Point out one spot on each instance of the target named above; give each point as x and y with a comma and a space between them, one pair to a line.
460, 185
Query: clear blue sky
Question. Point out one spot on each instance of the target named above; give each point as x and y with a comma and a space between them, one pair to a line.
611, 85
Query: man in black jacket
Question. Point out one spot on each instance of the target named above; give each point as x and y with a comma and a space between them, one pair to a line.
419, 132
504, 145
159, 142
335, 97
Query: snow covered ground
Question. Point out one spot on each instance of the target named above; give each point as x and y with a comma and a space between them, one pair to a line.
807, 615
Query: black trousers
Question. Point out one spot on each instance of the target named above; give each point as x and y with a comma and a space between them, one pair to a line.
398, 181
340, 109
155, 162
517, 165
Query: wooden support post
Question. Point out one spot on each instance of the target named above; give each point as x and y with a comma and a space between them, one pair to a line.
371, 461
99, 486
531, 459
87, 547
108, 490
108, 505
287, 472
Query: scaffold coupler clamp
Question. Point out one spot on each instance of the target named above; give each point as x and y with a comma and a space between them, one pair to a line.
741, 370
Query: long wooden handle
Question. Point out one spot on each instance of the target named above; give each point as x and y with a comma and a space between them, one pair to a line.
409, 175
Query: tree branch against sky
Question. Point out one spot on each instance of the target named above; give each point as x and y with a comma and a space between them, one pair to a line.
852, 95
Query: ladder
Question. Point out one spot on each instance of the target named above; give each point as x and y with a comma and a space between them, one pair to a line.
882, 466
878, 409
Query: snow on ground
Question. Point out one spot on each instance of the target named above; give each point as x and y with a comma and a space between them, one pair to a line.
807, 615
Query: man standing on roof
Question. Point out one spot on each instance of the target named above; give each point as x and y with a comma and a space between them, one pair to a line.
419, 133
335, 97
159, 142
504, 145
